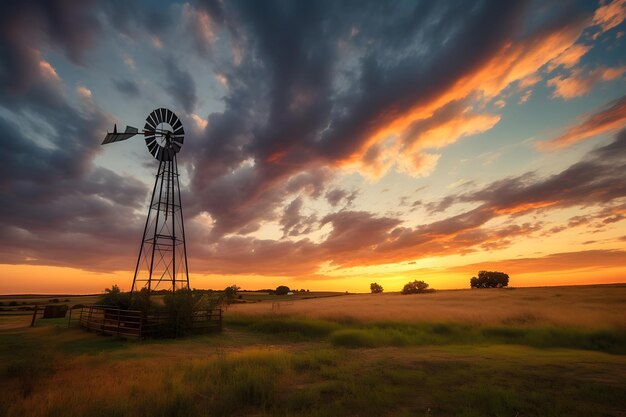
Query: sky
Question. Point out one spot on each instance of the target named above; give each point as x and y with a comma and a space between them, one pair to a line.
329, 144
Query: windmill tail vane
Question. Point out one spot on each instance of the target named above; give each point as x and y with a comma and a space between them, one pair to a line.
162, 259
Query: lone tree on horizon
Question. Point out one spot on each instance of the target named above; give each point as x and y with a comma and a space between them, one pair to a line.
282, 290
376, 288
415, 287
490, 279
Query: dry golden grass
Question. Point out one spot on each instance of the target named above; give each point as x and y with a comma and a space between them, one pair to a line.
592, 306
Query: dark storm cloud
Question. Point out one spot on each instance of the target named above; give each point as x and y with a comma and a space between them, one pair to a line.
56, 207
317, 79
69, 26
283, 122
180, 85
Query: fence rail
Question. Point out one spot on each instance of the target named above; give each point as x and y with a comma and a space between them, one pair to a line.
136, 324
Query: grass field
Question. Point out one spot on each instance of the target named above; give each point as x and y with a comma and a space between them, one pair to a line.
523, 352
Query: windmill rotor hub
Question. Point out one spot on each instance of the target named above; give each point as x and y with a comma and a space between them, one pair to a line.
161, 124
163, 134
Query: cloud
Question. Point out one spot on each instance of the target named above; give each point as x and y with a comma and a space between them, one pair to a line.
312, 88
180, 85
564, 261
56, 206
610, 15
66, 26
581, 82
83, 91
127, 87
311, 94
606, 119
200, 122
293, 222
594, 180
336, 195
570, 57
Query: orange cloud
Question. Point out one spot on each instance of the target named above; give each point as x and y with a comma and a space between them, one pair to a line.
515, 61
610, 15
580, 83
605, 120
525, 207
48, 70
569, 57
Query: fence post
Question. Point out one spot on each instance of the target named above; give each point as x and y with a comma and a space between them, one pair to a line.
32, 322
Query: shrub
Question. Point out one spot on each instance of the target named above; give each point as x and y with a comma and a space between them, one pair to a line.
282, 290
490, 279
415, 287
231, 291
140, 301
376, 288
114, 297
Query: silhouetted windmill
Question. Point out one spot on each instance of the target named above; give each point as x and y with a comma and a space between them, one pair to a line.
163, 252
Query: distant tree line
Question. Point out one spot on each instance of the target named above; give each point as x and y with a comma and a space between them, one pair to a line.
490, 279
414, 287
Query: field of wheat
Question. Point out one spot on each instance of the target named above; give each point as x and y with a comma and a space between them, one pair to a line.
592, 306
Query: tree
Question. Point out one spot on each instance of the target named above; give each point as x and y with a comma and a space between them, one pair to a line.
282, 290
490, 279
376, 288
415, 287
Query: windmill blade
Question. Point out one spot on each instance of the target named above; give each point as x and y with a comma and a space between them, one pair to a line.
118, 137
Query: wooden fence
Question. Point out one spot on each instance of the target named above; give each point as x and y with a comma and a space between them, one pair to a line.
136, 324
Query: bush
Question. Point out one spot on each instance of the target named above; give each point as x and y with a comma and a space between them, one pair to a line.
54, 300
490, 279
231, 292
415, 287
114, 297
376, 288
140, 301
282, 290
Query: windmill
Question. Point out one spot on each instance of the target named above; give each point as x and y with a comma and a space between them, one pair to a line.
162, 259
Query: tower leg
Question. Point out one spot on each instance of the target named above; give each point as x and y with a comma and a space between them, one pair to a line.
145, 230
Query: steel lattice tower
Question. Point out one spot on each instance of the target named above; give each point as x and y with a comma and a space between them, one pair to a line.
162, 259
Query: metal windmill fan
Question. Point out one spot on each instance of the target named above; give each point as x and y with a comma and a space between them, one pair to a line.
163, 252
163, 131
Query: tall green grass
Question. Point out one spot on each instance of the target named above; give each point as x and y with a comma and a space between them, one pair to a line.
322, 378
356, 334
